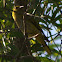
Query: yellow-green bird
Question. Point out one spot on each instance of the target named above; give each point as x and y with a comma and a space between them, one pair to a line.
32, 28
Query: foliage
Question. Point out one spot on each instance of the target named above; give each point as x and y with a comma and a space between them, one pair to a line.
48, 13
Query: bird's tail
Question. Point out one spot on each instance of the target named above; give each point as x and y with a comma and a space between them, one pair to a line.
41, 39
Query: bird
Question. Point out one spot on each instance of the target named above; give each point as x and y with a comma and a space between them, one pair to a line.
32, 27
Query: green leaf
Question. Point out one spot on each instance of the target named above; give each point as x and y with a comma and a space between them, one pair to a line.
8, 35
48, 10
8, 23
0, 36
54, 15
13, 25
58, 17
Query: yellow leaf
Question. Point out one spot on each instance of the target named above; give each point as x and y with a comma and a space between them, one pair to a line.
3, 20
58, 30
59, 2
55, 54
32, 41
51, 42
